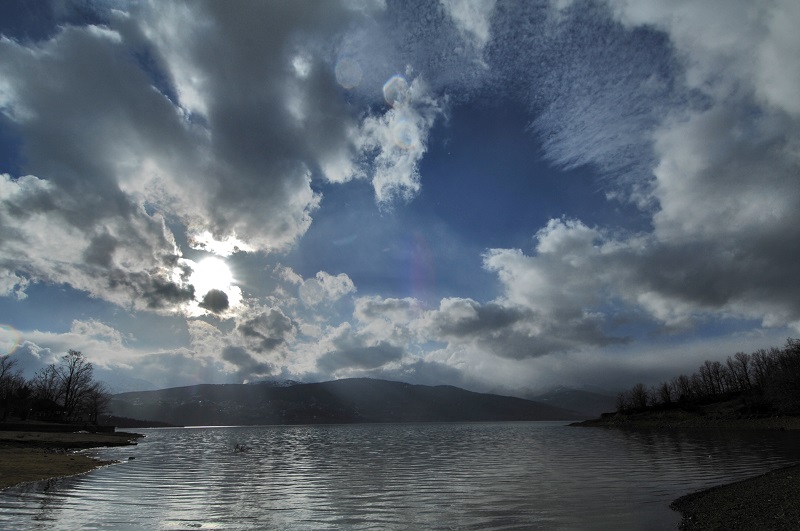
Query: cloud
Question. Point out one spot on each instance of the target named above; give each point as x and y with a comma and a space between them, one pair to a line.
352, 350
13, 284
359, 358
129, 258
215, 301
325, 287
247, 364
222, 136
396, 141
473, 19
267, 124
726, 179
692, 124
459, 318
219, 128
749, 45
267, 329
146, 122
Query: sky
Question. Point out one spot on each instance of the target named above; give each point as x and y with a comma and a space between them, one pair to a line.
506, 196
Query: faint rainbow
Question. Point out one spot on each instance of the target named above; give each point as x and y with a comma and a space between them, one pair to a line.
10, 339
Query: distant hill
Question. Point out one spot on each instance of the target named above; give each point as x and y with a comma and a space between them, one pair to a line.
587, 403
341, 401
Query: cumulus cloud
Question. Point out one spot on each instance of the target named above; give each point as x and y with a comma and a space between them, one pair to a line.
396, 141
349, 349
212, 138
129, 258
215, 301
146, 121
325, 287
248, 366
13, 284
219, 127
268, 108
266, 329
703, 140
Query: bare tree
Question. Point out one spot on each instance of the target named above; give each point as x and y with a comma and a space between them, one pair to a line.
719, 376
684, 387
46, 384
706, 375
761, 361
11, 382
740, 368
699, 389
75, 375
665, 393
96, 400
623, 402
639, 396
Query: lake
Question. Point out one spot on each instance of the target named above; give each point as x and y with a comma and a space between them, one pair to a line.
518, 475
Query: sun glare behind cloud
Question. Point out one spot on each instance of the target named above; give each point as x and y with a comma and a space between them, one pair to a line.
211, 278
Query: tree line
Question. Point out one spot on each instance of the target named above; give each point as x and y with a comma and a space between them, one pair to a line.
767, 379
62, 392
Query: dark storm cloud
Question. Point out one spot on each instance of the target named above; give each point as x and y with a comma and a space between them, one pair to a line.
101, 250
514, 331
160, 294
370, 357
469, 318
77, 135
102, 141
256, 75
215, 301
268, 329
247, 365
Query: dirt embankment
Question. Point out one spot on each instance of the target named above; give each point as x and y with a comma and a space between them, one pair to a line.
33, 456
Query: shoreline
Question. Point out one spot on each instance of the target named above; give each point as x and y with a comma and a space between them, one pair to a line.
29, 456
683, 420
769, 502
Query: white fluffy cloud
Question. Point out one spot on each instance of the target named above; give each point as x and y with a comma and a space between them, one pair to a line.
325, 287
123, 254
397, 140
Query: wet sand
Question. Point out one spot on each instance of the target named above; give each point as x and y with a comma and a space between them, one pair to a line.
34, 456
769, 502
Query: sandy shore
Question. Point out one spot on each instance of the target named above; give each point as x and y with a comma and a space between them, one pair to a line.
769, 502
34, 456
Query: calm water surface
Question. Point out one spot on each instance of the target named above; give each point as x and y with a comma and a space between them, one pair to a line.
537, 475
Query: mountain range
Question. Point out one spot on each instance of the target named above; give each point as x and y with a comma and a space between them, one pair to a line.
586, 402
354, 400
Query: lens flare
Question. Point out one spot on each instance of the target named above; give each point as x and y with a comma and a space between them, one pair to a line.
10, 339
395, 91
348, 73
405, 134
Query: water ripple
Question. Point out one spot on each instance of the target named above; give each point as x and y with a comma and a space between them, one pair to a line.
432, 476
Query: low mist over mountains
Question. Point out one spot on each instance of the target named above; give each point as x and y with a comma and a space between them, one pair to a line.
589, 403
341, 401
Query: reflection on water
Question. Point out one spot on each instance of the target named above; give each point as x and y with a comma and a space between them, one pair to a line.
404, 476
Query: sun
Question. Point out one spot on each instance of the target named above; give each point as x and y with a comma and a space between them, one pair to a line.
214, 274
211, 273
